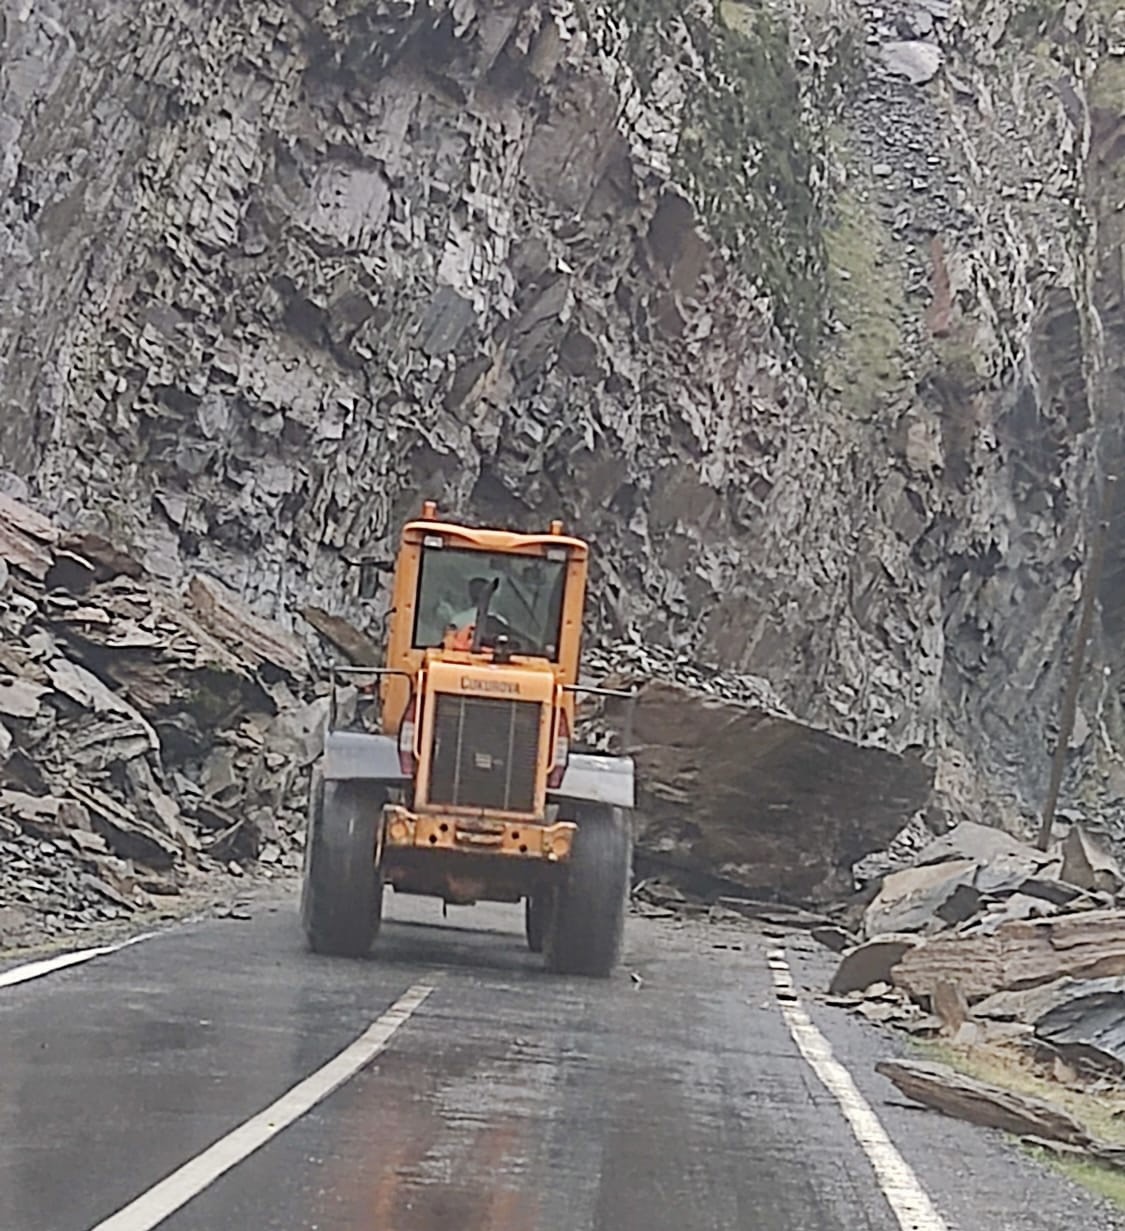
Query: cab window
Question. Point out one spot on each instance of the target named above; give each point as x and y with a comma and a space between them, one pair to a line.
523, 595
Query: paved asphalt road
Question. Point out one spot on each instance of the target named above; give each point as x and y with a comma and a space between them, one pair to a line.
509, 1100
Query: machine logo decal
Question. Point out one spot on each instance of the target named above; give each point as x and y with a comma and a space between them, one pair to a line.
471, 684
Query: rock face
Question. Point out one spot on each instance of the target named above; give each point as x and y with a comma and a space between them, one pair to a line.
809, 323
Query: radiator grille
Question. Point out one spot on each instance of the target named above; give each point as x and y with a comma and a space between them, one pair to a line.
485, 753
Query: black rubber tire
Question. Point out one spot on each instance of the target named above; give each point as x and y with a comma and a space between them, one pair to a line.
342, 890
588, 922
537, 907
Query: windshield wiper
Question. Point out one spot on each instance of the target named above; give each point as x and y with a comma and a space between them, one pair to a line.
482, 613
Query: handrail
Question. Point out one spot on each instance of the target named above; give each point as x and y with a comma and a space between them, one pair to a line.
365, 695
601, 692
631, 697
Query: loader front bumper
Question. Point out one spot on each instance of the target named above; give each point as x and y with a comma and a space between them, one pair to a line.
406, 830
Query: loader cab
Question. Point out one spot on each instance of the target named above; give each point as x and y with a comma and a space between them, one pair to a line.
483, 596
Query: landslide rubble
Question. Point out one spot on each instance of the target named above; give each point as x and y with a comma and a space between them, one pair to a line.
1014, 958
987, 940
148, 736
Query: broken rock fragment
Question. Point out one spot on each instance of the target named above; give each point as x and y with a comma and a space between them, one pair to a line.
926, 898
1020, 954
870, 963
832, 937
19, 698
127, 834
26, 538
1087, 864
940, 1087
1087, 1022
358, 647
255, 639
913, 59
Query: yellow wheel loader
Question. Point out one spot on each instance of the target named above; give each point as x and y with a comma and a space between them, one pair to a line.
469, 789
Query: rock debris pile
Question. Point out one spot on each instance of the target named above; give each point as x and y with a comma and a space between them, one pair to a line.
147, 736
990, 943
981, 914
626, 665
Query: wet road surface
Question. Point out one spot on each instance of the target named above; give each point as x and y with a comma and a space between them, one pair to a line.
511, 1100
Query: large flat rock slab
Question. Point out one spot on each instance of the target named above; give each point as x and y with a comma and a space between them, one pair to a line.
756, 797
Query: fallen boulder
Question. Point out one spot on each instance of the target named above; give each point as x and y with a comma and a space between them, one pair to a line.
926, 898
731, 784
762, 800
869, 963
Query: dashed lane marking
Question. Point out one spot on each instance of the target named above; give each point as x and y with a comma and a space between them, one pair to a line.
47, 965
173, 1192
905, 1195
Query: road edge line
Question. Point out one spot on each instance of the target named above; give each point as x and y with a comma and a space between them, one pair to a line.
909, 1201
44, 966
167, 1196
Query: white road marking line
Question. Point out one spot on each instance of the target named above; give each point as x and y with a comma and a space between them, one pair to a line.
173, 1192
905, 1195
47, 965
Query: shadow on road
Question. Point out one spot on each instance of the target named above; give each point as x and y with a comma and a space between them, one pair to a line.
453, 947
484, 938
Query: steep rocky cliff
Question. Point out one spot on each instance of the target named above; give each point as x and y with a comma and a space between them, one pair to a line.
807, 315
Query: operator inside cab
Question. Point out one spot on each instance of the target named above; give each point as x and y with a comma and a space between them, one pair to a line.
464, 622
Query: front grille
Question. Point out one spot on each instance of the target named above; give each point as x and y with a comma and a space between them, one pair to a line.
485, 753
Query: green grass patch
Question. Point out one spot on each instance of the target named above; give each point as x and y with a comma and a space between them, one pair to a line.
1095, 1178
865, 363
1101, 1114
745, 154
